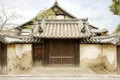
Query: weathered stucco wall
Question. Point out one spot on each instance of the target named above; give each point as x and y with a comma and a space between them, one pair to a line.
19, 57
109, 57
98, 55
90, 54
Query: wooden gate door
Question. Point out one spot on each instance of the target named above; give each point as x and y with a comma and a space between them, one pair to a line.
38, 54
61, 52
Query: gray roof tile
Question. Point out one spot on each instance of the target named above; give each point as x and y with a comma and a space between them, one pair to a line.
62, 29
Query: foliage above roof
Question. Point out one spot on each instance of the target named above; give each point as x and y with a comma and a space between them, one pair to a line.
115, 7
117, 31
46, 13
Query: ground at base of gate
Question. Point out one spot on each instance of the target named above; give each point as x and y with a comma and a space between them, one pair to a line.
61, 71
64, 73
60, 78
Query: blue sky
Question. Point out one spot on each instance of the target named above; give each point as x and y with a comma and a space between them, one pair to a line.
97, 11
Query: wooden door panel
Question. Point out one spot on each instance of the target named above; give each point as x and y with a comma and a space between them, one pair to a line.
61, 52
67, 60
55, 60
38, 53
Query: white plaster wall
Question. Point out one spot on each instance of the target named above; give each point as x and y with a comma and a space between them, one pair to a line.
67, 17
21, 49
90, 54
19, 57
98, 55
110, 57
18, 51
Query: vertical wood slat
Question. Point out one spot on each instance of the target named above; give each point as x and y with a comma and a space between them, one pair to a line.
118, 59
38, 52
3, 58
47, 52
77, 53
63, 52
0, 59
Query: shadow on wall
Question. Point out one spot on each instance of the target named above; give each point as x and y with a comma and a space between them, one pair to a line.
16, 64
99, 66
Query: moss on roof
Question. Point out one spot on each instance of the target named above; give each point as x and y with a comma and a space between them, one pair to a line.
45, 14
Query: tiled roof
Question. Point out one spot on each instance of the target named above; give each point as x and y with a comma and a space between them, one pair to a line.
2, 39
10, 39
113, 39
61, 29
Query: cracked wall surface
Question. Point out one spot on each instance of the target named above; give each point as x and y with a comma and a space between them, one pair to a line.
98, 55
19, 57
109, 57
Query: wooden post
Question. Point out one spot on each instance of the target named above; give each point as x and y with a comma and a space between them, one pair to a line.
118, 59
0, 60
3, 58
